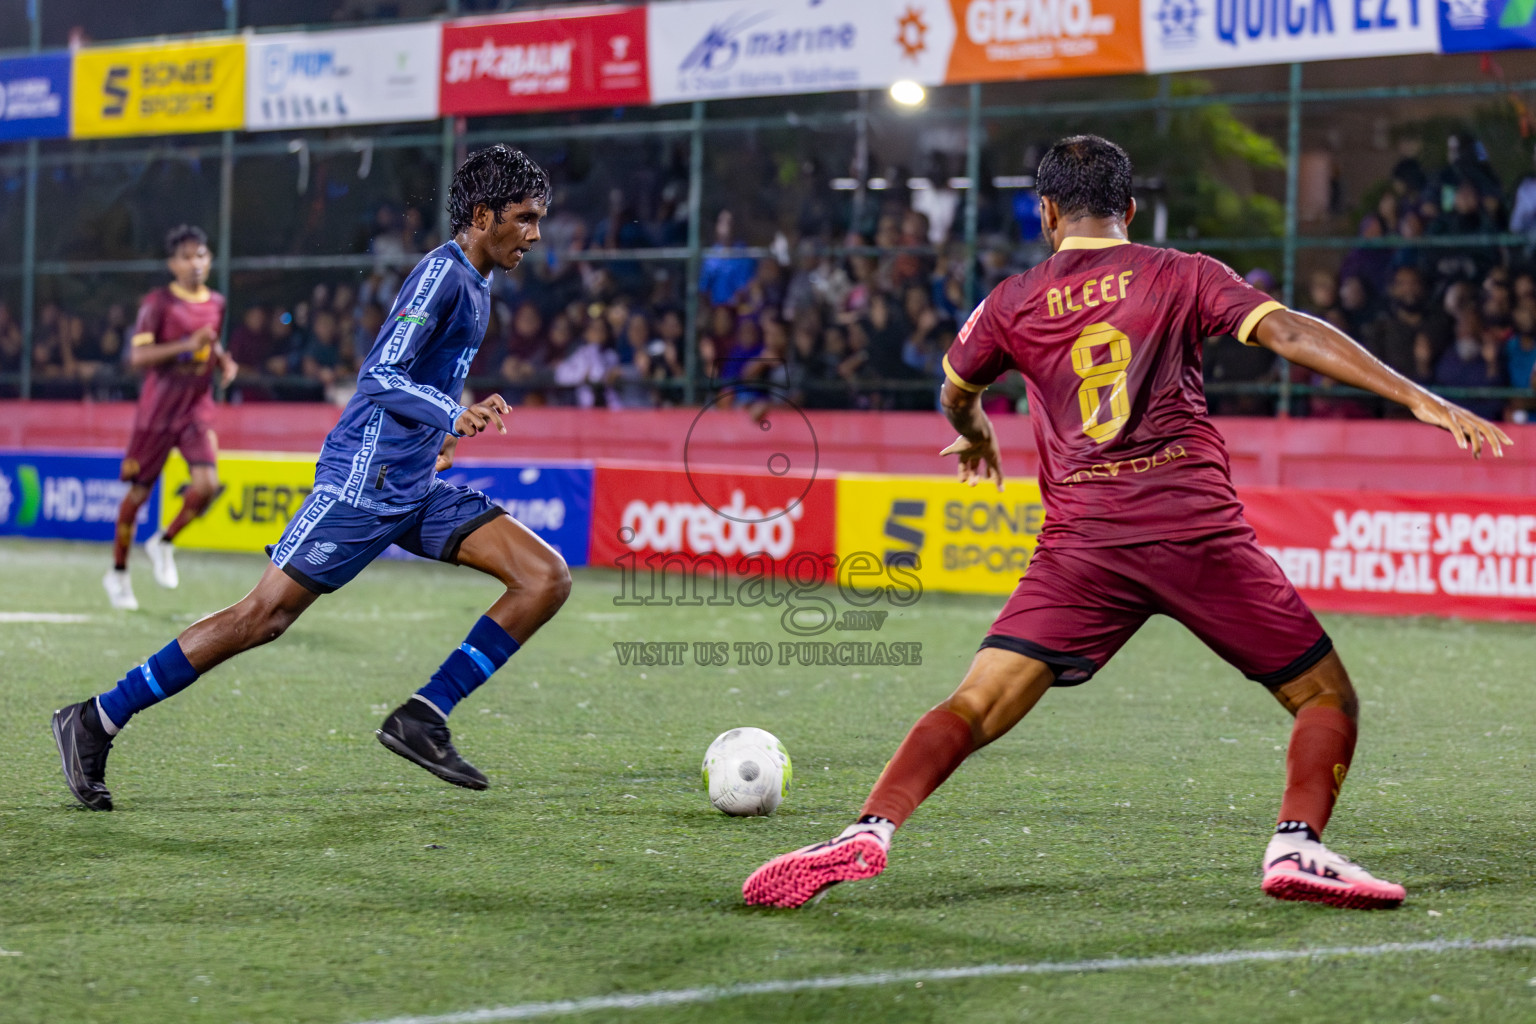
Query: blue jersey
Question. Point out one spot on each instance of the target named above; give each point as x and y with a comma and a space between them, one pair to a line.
382, 456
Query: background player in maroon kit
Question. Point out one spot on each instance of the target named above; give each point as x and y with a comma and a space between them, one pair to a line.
1141, 518
176, 343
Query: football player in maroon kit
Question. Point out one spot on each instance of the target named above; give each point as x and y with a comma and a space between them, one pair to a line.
176, 344
1141, 518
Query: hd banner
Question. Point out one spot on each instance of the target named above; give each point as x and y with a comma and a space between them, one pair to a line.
357, 76
1183, 35
163, 89
1464, 555
34, 97
713, 49
66, 496
545, 60
1010, 40
951, 536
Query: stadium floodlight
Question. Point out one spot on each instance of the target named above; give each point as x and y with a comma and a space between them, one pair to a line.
907, 93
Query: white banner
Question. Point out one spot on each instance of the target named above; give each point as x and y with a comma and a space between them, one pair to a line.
1182, 35
349, 76
704, 49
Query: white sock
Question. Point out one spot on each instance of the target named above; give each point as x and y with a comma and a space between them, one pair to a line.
111, 727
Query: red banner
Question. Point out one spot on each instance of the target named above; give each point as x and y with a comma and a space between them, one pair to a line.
1402, 554
580, 57
708, 515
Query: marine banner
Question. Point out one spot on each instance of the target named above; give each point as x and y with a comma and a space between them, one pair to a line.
353, 76
162, 89
545, 60
1021, 39
1182, 35
954, 537
709, 49
34, 97
65, 496
1402, 554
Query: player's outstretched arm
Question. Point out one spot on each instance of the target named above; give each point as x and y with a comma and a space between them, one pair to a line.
153, 353
1307, 341
977, 444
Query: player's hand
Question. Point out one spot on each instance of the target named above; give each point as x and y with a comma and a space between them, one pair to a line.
1469, 430
445, 453
481, 415
228, 367
979, 459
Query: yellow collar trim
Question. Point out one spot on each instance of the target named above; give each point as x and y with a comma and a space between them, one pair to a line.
201, 295
1083, 242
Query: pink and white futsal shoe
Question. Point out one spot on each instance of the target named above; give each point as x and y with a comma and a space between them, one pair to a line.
794, 878
1298, 868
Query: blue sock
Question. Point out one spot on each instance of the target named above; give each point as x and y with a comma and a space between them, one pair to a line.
167, 672
485, 650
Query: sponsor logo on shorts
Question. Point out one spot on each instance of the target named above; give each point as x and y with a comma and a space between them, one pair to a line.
320, 553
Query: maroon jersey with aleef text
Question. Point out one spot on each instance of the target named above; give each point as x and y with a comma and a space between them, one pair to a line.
1108, 337
178, 392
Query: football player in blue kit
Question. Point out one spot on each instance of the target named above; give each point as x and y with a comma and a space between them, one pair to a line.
376, 484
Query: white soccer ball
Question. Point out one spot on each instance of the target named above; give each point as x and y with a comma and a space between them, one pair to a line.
747, 772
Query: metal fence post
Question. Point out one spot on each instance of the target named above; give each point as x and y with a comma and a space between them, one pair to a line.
1288, 253
695, 253
29, 223
973, 192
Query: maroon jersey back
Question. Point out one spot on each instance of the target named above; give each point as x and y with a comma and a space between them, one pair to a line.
1108, 337
177, 393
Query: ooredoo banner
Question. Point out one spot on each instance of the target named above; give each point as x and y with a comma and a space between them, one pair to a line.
162, 89
545, 60
1181, 35
704, 49
1020, 39
1402, 554
66, 496
355, 76
664, 518
953, 537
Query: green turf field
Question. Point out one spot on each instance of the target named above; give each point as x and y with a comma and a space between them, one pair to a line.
269, 861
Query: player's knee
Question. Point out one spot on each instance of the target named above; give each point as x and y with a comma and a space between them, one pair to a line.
550, 581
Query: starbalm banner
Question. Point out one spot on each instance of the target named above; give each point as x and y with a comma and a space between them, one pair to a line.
356, 76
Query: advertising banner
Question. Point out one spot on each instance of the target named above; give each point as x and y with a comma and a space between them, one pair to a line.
708, 49
167, 89
657, 519
262, 491
1180, 35
34, 97
1019, 39
543, 60
357, 76
1475, 25
66, 496
955, 537
1402, 554
554, 500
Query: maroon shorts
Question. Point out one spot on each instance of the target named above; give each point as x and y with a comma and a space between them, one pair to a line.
1075, 607
148, 450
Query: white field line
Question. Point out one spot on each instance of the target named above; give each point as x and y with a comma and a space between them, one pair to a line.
710, 994
54, 618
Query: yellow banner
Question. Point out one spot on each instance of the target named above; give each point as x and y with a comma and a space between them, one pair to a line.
262, 491
969, 540
158, 90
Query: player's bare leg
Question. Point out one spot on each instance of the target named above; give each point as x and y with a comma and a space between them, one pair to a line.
84, 731
1297, 866
195, 498
998, 691
116, 582
537, 583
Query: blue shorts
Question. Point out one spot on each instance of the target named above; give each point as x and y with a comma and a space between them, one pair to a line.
329, 542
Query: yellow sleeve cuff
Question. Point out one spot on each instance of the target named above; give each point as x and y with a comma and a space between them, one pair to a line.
145, 338
1252, 320
959, 381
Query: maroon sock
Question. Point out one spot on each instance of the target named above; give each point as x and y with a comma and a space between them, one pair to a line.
1322, 744
933, 749
122, 538
193, 502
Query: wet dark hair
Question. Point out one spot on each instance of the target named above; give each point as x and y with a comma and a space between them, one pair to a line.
1087, 176
496, 178
181, 234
